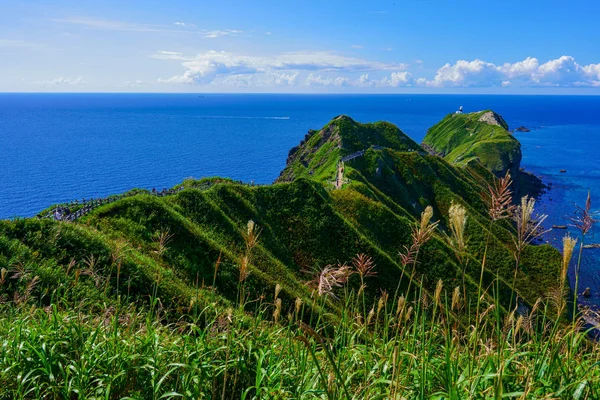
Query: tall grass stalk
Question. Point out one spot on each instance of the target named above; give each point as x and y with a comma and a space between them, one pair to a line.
584, 222
528, 228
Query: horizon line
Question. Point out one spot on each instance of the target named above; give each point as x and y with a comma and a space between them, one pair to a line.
311, 93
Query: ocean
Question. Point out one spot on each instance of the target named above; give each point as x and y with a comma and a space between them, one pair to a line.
60, 147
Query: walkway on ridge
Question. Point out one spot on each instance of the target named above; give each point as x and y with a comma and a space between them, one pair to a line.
339, 174
76, 209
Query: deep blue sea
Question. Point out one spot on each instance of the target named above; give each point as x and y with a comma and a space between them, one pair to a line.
60, 147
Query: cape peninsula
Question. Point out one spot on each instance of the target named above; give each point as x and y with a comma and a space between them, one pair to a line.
320, 211
374, 267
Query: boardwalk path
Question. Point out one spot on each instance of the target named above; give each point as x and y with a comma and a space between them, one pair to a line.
353, 156
76, 209
339, 175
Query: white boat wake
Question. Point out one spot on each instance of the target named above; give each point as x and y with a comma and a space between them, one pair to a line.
237, 117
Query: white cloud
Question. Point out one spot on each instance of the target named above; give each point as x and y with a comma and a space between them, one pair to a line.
184, 24
282, 78
364, 80
239, 80
399, 78
112, 25
328, 61
317, 80
62, 82
561, 72
521, 68
205, 67
593, 72
16, 43
169, 55
564, 71
187, 77
135, 83
261, 80
466, 73
218, 33
357, 46
396, 79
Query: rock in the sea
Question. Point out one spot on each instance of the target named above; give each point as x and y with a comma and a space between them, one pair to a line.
522, 129
562, 171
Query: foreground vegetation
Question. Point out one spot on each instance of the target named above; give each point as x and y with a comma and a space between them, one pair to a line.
391, 348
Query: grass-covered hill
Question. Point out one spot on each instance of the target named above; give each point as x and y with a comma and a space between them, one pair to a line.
226, 290
319, 152
481, 136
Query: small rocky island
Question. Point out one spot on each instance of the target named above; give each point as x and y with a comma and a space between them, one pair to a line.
522, 129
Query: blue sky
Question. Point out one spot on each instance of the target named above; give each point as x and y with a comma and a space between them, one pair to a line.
413, 46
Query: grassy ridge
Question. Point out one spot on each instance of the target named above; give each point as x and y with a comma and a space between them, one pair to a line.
304, 228
318, 154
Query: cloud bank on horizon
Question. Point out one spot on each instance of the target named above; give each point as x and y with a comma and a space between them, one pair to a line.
329, 69
335, 70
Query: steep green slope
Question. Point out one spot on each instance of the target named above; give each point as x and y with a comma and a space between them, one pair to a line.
318, 154
306, 225
482, 136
